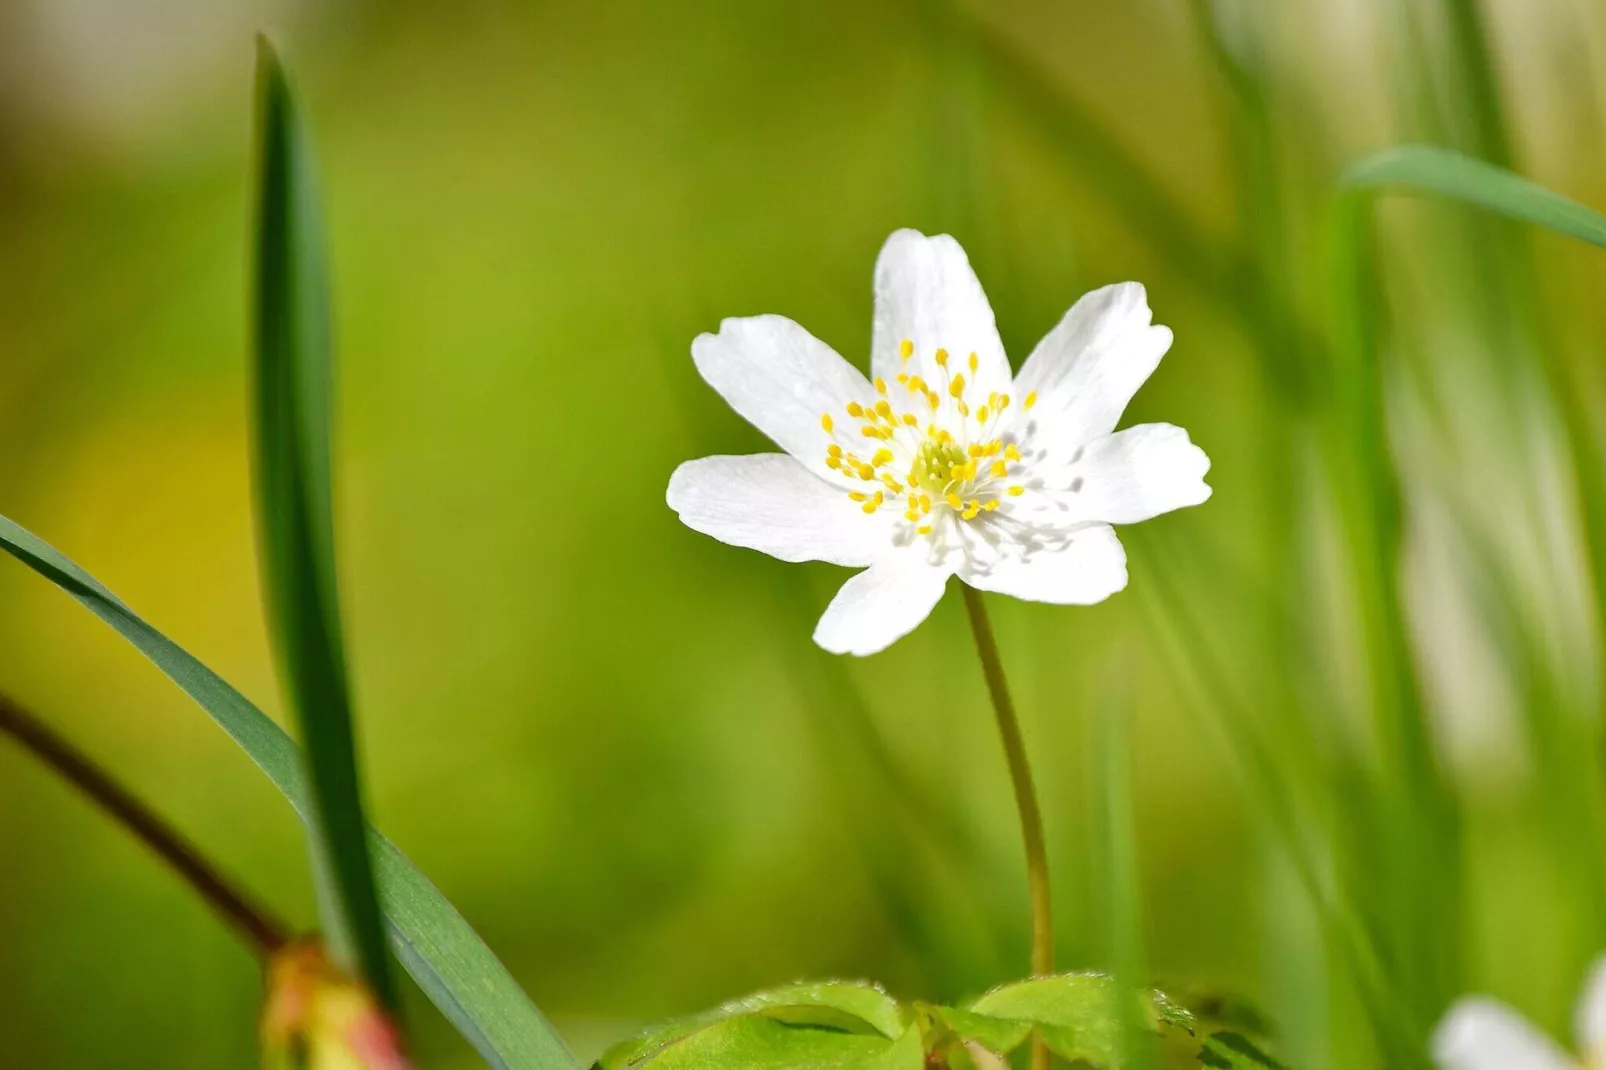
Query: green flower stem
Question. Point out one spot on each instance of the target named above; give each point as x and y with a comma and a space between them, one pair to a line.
261, 930
1031, 816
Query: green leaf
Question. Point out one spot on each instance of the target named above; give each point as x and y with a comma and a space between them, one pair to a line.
444, 955
294, 516
1446, 173
760, 1042
1081, 1016
1234, 1051
1000, 1035
842, 1007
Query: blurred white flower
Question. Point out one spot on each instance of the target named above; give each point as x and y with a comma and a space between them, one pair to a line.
943, 464
1479, 1033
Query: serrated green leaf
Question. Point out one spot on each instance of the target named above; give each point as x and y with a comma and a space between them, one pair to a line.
1446, 173
850, 1007
1080, 1015
294, 520
1001, 1035
758, 1041
444, 955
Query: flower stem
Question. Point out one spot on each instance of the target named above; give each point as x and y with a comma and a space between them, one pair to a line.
265, 933
1031, 817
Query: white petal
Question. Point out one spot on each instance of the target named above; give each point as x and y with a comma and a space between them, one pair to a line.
1592, 1012
1484, 1034
927, 294
781, 379
772, 503
1122, 478
1087, 568
881, 605
1085, 371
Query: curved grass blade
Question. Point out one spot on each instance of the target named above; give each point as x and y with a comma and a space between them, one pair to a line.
296, 529
1445, 173
441, 951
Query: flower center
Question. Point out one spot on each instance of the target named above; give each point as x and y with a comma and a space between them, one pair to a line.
929, 450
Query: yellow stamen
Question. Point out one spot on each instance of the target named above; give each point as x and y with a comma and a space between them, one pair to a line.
990, 506
883, 409
924, 529
909, 419
834, 450
833, 462
1012, 451
953, 501
1016, 491
882, 456
1000, 469
855, 410
1031, 399
942, 358
957, 387
972, 507
825, 422
858, 495
906, 349
865, 471
880, 385
973, 363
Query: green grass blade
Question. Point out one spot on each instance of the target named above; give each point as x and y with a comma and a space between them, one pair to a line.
1225, 715
1444, 173
1447, 174
452, 965
1115, 862
295, 524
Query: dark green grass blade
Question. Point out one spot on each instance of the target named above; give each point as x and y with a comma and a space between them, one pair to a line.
1444, 173
444, 955
296, 530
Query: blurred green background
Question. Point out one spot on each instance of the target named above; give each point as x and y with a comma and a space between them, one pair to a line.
609, 740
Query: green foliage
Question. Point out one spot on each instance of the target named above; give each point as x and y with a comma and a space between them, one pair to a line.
294, 516
454, 968
1449, 174
855, 1026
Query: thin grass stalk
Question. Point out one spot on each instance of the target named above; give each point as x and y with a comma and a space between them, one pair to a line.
260, 929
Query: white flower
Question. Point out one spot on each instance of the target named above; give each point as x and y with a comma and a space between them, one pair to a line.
943, 464
1479, 1033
